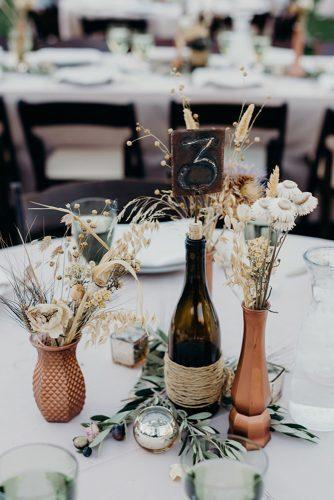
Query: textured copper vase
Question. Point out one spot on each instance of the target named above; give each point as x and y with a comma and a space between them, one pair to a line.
58, 383
209, 270
249, 416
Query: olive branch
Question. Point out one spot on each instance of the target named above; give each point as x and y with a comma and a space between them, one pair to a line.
198, 438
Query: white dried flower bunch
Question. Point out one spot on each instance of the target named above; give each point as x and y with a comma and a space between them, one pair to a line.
254, 261
61, 295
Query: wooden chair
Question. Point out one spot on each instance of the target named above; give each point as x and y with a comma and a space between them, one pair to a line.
321, 177
271, 118
39, 223
45, 22
48, 114
283, 29
93, 26
8, 174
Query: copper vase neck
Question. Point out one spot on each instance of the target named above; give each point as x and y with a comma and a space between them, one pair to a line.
48, 348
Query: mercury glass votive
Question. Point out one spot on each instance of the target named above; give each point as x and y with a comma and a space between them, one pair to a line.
276, 380
155, 429
129, 348
100, 216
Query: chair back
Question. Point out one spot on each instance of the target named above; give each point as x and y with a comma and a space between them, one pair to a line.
45, 22
49, 114
94, 26
271, 118
322, 173
39, 223
8, 174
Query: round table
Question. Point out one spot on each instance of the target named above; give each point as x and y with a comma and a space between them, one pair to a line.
297, 470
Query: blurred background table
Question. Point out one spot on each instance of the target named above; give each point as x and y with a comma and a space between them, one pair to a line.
135, 82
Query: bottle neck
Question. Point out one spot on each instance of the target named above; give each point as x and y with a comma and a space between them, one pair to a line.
195, 258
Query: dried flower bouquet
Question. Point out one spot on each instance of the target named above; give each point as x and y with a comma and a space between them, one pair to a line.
59, 295
254, 261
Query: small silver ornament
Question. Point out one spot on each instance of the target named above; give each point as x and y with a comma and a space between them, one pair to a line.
155, 429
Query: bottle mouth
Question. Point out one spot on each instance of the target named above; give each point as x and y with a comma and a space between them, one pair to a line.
195, 243
322, 257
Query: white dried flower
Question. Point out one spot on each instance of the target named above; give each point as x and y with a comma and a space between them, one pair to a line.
283, 209
288, 190
244, 213
260, 211
305, 203
283, 212
284, 227
50, 319
175, 472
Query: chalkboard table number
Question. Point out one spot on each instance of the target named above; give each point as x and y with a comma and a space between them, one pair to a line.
198, 161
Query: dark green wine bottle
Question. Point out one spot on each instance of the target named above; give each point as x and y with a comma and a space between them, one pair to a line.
194, 337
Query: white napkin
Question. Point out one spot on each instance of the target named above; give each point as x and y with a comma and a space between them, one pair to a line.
64, 57
167, 246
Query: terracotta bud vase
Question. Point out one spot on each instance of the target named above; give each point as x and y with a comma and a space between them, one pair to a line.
58, 383
209, 270
249, 416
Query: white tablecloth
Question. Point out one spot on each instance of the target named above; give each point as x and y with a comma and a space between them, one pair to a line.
298, 470
307, 101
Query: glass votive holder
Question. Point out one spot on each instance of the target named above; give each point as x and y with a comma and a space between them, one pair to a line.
276, 380
129, 348
258, 228
100, 216
38, 471
238, 476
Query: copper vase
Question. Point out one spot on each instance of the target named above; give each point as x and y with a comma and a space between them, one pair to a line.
249, 416
209, 270
58, 383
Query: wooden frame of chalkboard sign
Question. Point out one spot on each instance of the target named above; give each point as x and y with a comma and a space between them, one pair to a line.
197, 161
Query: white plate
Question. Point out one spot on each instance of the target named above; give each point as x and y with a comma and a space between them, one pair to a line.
85, 76
64, 57
163, 269
166, 253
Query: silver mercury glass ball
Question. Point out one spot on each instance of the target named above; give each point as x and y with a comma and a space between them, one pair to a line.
155, 429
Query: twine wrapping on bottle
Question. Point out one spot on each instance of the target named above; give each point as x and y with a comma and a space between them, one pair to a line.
194, 387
